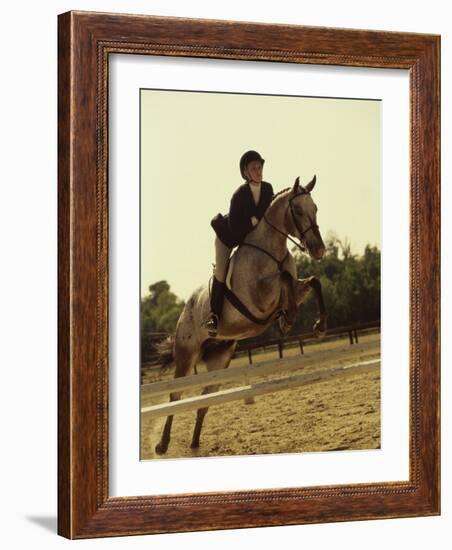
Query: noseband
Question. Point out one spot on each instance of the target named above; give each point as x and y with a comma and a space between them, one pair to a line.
313, 227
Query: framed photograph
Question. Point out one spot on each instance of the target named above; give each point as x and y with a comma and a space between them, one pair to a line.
248, 275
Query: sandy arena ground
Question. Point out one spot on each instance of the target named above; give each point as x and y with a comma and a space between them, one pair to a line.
333, 415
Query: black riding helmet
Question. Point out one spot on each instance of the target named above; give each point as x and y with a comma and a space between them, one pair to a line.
248, 157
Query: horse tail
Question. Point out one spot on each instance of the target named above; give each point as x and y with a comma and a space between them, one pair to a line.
165, 349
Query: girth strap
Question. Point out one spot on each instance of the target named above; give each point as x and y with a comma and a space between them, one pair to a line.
241, 307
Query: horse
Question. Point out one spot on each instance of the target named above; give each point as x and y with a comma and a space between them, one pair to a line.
264, 279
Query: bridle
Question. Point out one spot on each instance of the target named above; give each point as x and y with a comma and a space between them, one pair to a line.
312, 227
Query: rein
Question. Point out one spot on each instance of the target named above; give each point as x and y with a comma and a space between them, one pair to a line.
302, 233
278, 262
300, 246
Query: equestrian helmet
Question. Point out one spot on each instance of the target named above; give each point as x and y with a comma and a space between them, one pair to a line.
248, 157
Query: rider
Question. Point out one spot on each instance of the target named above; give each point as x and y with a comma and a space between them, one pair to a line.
248, 206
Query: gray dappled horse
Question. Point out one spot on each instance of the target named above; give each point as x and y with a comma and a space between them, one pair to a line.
261, 282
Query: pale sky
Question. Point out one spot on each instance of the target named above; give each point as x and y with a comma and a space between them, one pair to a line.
191, 143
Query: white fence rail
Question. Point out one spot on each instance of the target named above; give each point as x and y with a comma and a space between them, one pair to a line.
238, 393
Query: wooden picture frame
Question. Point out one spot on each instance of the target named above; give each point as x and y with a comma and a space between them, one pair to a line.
85, 42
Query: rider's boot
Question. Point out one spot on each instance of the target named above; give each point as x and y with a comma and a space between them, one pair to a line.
216, 305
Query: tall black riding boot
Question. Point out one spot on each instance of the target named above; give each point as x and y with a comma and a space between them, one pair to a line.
216, 305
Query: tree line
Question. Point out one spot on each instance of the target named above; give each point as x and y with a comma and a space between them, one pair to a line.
350, 283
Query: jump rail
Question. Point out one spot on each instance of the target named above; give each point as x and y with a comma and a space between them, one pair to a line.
245, 392
213, 377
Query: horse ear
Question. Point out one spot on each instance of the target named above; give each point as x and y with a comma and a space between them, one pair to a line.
311, 185
296, 185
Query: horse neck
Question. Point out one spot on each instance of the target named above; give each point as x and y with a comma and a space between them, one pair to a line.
265, 236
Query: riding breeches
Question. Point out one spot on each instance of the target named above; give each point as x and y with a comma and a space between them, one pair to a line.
222, 253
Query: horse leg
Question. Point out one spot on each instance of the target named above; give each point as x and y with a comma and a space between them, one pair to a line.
217, 357
302, 288
185, 360
201, 413
292, 307
289, 281
162, 446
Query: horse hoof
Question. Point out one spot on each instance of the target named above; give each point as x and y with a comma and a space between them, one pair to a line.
319, 328
284, 326
161, 449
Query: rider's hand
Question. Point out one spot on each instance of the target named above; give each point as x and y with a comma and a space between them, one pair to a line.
254, 221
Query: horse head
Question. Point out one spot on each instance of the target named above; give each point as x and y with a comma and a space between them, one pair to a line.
302, 218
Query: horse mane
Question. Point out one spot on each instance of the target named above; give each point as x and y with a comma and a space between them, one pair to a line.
279, 193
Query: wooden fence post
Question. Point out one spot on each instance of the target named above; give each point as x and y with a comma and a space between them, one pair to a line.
280, 347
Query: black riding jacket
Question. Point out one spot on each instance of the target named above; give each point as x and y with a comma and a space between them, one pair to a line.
235, 226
